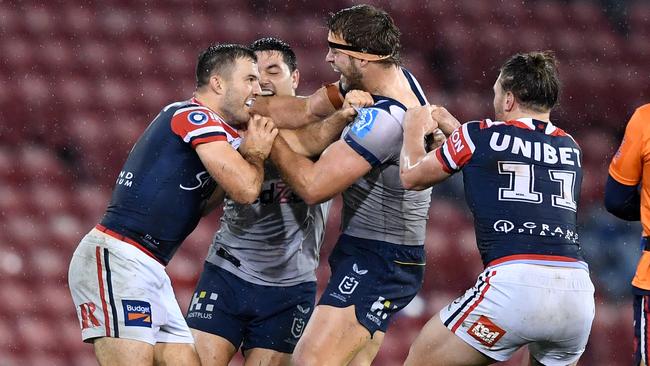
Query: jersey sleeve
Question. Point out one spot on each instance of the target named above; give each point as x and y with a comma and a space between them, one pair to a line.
627, 165
198, 125
374, 135
458, 149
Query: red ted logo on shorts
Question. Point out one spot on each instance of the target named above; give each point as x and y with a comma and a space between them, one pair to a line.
486, 332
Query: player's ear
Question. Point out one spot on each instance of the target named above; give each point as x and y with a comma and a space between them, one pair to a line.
216, 84
509, 102
295, 78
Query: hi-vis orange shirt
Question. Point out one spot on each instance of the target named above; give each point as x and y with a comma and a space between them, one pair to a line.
631, 166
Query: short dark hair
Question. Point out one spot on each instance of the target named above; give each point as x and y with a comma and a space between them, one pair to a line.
278, 45
370, 28
533, 79
219, 59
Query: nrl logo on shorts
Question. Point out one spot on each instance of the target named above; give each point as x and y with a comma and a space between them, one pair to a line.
297, 327
348, 285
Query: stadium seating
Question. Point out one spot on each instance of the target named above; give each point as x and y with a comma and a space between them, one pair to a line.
81, 80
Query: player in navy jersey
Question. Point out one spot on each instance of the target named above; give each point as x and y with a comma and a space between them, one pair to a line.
522, 178
258, 285
124, 299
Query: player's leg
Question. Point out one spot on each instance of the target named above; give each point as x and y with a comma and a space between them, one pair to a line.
281, 315
266, 357
213, 350
170, 354
437, 345
333, 337
640, 308
114, 287
123, 352
368, 353
215, 314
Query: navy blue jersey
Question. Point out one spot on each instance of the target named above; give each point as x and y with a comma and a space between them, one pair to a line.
522, 183
160, 190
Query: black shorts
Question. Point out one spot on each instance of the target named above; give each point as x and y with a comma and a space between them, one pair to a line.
378, 278
250, 315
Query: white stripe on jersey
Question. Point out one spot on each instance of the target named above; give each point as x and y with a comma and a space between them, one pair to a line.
470, 143
445, 150
202, 130
194, 108
419, 88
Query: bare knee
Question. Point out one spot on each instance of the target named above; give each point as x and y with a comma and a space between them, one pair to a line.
303, 357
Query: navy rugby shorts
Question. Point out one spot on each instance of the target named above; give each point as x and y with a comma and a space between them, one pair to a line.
377, 277
250, 315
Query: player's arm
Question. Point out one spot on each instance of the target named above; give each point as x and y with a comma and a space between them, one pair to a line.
215, 199
418, 169
622, 201
622, 198
338, 167
240, 175
294, 112
312, 139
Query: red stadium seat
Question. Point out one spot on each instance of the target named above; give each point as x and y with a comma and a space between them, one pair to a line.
65, 231
117, 22
89, 203
39, 19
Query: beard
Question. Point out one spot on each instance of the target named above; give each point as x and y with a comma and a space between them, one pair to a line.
234, 111
353, 79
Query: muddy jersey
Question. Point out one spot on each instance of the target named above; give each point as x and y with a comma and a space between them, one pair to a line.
275, 241
376, 206
522, 183
161, 188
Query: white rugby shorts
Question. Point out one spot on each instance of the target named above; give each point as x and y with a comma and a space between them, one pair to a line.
548, 308
121, 292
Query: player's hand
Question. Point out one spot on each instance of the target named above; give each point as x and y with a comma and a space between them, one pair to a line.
445, 121
435, 140
260, 134
420, 118
358, 99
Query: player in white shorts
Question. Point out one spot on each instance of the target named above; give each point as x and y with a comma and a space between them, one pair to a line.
522, 180
127, 287
123, 297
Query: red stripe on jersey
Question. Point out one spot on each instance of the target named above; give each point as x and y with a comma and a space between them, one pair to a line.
475, 304
100, 279
558, 132
202, 140
442, 161
231, 131
458, 147
519, 124
190, 122
538, 257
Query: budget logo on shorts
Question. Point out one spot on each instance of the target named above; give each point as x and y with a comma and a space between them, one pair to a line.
348, 284
137, 313
486, 332
197, 118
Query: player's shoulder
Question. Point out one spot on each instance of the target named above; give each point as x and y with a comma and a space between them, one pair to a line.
644, 109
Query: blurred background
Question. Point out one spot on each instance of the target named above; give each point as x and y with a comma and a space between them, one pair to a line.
80, 80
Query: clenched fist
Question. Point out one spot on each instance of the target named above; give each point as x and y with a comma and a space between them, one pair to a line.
259, 137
